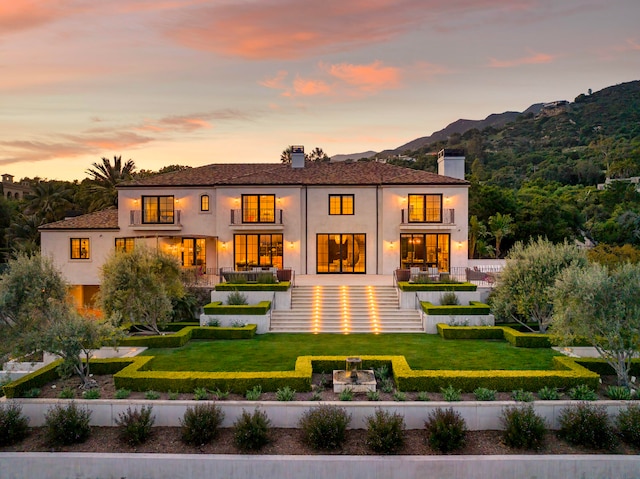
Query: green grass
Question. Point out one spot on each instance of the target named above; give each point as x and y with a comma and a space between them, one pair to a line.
278, 352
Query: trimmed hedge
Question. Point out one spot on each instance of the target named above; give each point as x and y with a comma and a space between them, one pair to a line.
217, 308
177, 326
600, 366
182, 337
407, 286
516, 338
475, 308
36, 379
281, 286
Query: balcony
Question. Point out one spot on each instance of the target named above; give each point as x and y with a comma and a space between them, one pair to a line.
167, 223
256, 220
448, 221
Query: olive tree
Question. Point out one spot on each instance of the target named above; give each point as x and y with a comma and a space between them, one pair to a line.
524, 291
600, 306
138, 286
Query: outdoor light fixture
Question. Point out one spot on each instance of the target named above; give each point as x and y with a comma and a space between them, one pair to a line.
291, 244
223, 245
391, 244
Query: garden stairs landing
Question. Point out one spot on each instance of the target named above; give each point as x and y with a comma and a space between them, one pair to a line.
345, 309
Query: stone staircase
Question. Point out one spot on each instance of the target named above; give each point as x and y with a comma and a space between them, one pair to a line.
345, 309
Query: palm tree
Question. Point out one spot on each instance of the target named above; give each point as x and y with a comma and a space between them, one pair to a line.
501, 226
477, 233
106, 176
23, 235
49, 200
318, 154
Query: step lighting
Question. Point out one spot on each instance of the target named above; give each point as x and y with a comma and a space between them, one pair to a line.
317, 309
373, 310
344, 296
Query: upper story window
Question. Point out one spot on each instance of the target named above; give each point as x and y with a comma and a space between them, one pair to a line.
204, 203
341, 204
125, 245
258, 208
80, 248
157, 209
425, 208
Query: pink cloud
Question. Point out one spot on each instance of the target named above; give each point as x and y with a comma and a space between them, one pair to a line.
533, 59
276, 82
367, 78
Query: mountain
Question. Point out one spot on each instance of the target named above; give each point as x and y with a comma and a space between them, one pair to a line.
353, 156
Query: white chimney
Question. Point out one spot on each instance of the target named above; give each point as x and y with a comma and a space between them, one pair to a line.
297, 156
451, 163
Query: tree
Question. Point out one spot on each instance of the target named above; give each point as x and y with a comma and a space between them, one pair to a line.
285, 156
600, 306
524, 291
317, 154
49, 200
138, 287
613, 256
501, 226
477, 232
106, 177
23, 234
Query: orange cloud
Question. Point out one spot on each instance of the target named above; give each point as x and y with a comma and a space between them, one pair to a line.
308, 87
533, 59
18, 15
276, 82
367, 78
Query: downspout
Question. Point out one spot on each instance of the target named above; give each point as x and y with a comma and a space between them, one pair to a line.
306, 229
378, 252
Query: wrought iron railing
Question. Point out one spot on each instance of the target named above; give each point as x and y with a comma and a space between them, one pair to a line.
447, 218
255, 216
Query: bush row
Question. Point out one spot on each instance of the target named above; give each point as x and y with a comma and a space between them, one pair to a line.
182, 337
406, 286
217, 308
281, 286
516, 338
475, 307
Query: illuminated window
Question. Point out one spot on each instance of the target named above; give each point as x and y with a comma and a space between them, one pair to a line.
257, 250
204, 203
194, 252
425, 250
80, 248
341, 204
425, 208
157, 209
258, 208
125, 245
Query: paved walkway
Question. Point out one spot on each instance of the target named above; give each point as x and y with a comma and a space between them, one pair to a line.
344, 279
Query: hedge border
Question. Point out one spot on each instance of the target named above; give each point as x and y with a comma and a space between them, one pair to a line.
217, 308
281, 286
513, 336
182, 337
474, 308
407, 286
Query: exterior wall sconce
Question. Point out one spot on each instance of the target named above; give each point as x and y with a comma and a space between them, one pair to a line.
447, 199
223, 245
291, 244
459, 244
391, 245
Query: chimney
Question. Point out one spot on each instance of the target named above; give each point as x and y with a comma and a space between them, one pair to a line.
297, 156
451, 163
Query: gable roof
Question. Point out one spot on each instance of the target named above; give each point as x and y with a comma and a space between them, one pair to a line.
99, 220
314, 173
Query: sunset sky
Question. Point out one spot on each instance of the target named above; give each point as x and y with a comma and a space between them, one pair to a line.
194, 82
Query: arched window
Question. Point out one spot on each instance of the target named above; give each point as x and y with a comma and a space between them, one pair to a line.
204, 203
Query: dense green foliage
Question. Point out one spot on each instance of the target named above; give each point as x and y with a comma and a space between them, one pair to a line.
324, 427
446, 430
523, 428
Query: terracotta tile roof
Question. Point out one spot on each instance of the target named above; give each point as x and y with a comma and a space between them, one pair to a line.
100, 220
338, 173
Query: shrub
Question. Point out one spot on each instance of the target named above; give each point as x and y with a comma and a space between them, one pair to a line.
200, 394
220, 395
422, 396
254, 393
386, 386
266, 278
399, 396
213, 323
521, 395
451, 394
236, 298
373, 395
619, 393
628, 424
548, 394
285, 394
67, 424
123, 393
323, 382
152, 395
136, 425
381, 373
385, 432
316, 396
346, 395
484, 394
586, 425
582, 392
324, 427
91, 394
32, 393
523, 428
446, 430
449, 299
200, 423
67, 393
14, 426
172, 395
251, 430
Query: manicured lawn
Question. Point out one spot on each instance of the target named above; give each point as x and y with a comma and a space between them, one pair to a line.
278, 352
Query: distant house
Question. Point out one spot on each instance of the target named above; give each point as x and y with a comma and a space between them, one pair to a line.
317, 218
12, 190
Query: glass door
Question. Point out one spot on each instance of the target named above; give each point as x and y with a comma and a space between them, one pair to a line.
341, 253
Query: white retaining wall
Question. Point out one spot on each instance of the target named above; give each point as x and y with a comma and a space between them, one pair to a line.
279, 299
430, 321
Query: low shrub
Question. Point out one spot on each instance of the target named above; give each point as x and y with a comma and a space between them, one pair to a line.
373, 395
521, 395
582, 392
399, 396
123, 393
324, 427
449, 299
172, 395
32, 393
316, 396
136, 425
67, 393
67, 424
236, 298
446, 430
422, 396
484, 394
381, 373
200, 394
451, 394
619, 393
628, 424
91, 394
254, 393
587, 425
548, 394
200, 423
386, 385
385, 432
523, 428
285, 394
346, 395
251, 430
14, 426
221, 395
152, 395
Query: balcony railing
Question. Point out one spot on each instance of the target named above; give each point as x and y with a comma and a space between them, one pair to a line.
448, 217
135, 219
254, 216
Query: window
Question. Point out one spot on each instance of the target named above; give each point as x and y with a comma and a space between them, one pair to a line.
157, 209
204, 203
125, 245
425, 208
425, 250
80, 248
257, 250
340, 204
341, 253
258, 208
193, 252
